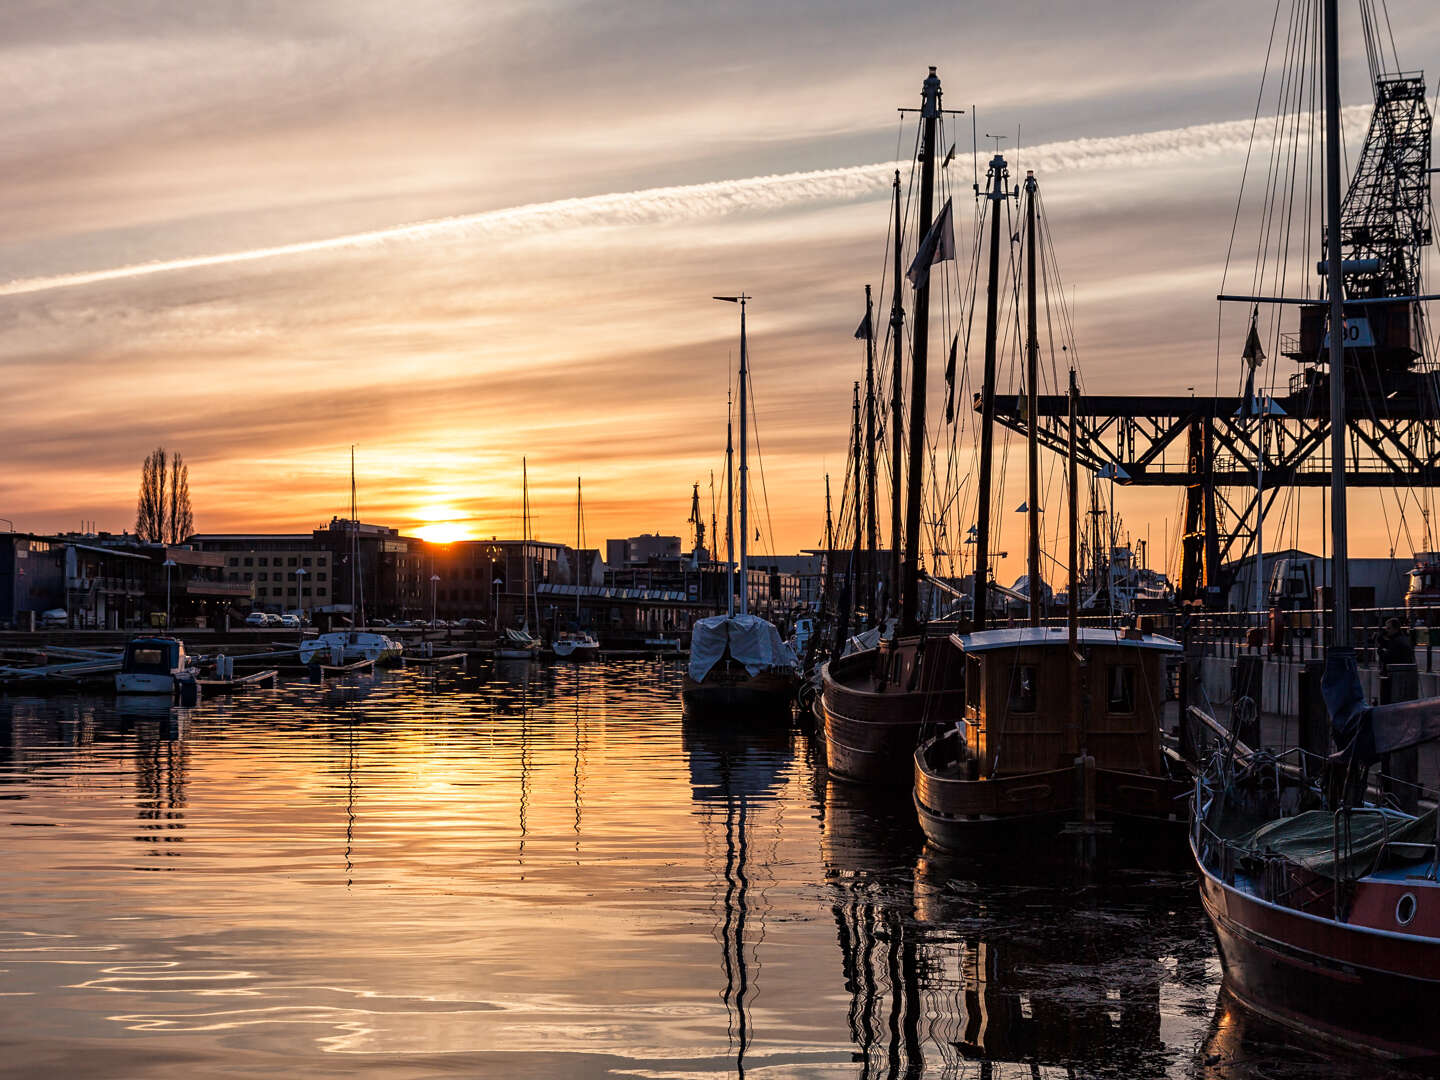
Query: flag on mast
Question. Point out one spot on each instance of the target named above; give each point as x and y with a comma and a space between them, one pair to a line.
950, 380
938, 246
862, 332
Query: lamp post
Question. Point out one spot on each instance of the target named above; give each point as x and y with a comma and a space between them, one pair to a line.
434, 580
170, 564
300, 573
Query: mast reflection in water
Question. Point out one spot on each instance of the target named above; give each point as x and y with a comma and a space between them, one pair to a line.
544, 871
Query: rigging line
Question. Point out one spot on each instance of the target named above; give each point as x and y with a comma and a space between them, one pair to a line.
1240, 197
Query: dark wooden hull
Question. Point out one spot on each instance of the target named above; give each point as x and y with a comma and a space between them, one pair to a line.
871, 733
1031, 810
1373, 991
765, 698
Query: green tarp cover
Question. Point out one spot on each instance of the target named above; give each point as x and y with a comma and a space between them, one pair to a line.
1309, 839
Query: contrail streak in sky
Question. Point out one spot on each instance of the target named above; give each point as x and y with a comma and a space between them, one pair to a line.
699, 201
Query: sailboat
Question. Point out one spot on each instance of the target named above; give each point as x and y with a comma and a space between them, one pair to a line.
576, 644
518, 643
1323, 891
353, 645
875, 702
1061, 726
739, 666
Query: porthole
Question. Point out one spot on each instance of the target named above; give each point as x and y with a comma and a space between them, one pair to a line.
1405, 909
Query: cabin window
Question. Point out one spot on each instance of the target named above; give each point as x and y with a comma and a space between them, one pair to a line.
972, 682
1023, 680
1122, 688
149, 656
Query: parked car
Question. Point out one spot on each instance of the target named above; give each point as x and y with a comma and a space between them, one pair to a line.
257, 618
291, 622
54, 617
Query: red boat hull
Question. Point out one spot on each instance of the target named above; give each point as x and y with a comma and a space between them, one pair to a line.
1372, 990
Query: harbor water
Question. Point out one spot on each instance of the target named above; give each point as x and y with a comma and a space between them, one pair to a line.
537, 871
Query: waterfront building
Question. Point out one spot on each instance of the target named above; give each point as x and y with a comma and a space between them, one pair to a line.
269, 563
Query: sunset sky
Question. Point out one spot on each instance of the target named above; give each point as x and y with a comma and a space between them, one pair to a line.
205, 244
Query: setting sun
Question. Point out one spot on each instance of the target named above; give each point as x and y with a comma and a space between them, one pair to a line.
443, 532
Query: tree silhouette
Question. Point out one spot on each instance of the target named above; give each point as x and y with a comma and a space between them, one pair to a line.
163, 514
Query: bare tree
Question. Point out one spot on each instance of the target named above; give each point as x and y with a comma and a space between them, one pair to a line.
150, 511
182, 520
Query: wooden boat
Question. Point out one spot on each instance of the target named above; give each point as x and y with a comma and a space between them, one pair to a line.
1031, 757
876, 704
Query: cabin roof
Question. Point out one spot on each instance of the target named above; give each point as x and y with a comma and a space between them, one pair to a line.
1016, 637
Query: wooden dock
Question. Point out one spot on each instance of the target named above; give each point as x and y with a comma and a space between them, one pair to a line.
216, 687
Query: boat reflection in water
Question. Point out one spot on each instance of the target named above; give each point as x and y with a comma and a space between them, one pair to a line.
950, 962
734, 776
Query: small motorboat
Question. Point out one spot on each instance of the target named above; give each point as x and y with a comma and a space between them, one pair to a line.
349, 647
575, 645
515, 644
154, 665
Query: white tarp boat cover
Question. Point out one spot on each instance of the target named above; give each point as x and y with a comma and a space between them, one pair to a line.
749, 639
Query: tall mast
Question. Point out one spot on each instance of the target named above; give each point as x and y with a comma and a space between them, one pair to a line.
1340, 633
1072, 609
729, 512
356, 615
870, 451
744, 463
1032, 377
920, 338
578, 511
999, 173
897, 410
525, 541
855, 452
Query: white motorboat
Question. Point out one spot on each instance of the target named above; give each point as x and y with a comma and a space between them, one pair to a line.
575, 645
349, 647
516, 645
154, 665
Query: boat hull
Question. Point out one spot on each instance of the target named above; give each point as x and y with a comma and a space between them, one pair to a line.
572, 650
130, 683
1372, 991
871, 731
767, 697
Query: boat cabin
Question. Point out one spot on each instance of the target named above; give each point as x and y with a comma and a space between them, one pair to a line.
1030, 709
153, 656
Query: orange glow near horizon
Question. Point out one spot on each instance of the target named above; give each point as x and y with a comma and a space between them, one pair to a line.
444, 532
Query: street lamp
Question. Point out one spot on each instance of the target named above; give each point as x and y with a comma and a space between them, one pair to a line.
495, 602
170, 564
434, 580
300, 573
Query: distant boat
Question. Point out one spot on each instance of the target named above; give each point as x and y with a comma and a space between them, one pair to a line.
154, 665
515, 644
353, 645
739, 666
576, 644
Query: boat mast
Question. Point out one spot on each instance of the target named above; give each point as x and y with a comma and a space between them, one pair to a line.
870, 452
1032, 377
999, 173
729, 511
920, 339
897, 410
578, 510
525, 542
744, 462
1072, 609
1340, 553
859, 478
357, 616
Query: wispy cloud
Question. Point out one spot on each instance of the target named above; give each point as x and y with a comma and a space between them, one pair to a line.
702, 201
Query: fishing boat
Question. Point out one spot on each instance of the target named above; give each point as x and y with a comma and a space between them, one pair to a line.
739, 666
352, 646
876, 702
1320, 884
155, 665
1061, 727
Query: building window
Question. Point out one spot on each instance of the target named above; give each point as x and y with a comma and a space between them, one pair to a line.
305, 561
249, 561
320, 575
262, 576
249, 577
292, 560
234, 560
263, 561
